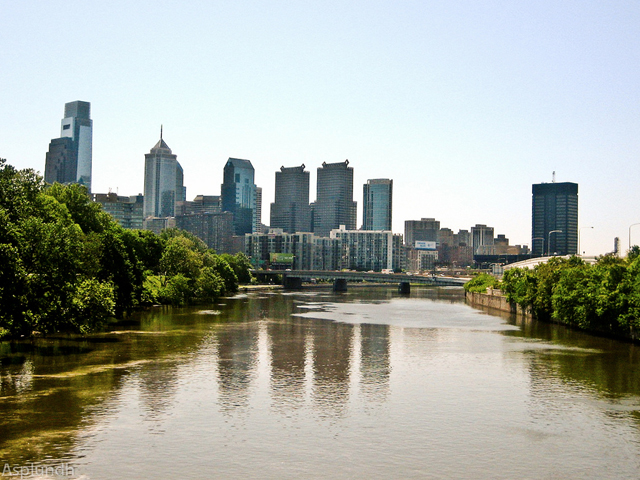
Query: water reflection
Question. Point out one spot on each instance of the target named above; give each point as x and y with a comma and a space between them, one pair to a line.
449, 378
375, 362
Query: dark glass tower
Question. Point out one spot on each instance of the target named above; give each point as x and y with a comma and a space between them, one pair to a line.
376, 204
334, 205
240, 195
69, 159
554, 207
291, 210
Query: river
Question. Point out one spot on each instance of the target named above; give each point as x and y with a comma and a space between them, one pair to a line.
367, 384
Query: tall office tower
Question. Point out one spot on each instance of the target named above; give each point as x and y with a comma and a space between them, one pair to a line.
69, 157
163, 181
239, 195
554, 227
377, 204
334, 205
257, 219
425, 230
481, 236
291, 210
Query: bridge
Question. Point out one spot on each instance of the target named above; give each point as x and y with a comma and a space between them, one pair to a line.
293, 279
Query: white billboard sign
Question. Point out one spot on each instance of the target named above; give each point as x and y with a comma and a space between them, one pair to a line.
424, 245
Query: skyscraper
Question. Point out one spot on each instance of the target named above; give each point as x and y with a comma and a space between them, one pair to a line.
334, 205
163, 181
481, 236
240, 196
376, 204
69, 157
291, 210
424, 230
554, 225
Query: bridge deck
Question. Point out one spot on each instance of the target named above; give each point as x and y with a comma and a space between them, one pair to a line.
368, 276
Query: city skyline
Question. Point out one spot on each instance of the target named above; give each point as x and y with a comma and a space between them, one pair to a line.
463, 105
69, 159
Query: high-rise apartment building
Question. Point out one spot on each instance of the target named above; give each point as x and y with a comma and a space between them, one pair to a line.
240, 196
163, 181
69, 158
377, 204
554, 228
424, 230
334, 205
291, 210
127, 211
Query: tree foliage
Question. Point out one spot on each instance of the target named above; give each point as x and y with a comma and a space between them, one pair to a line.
481, 282
603, 297
65, 265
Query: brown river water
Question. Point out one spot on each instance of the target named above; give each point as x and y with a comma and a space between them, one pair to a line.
311, 385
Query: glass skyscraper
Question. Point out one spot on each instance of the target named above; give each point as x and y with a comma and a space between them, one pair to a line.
69, 158
334, 205
291, 210
377, 204
163, 181
240, 196
554, 228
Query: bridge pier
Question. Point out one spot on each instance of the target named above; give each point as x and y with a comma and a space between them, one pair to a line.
339, 285
404, 287
292, 283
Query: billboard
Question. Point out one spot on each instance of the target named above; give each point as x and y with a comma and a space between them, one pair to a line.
281, 258
424, 245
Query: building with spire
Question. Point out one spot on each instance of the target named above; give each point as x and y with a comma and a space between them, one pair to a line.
240, 196
334, 205
69, 159
163, 181
291, 210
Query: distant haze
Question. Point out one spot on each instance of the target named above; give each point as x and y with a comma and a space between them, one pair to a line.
463, 104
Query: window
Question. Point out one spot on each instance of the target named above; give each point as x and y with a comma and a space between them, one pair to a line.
66, 127
237, 178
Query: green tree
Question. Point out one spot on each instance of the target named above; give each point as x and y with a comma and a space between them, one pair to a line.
241, 266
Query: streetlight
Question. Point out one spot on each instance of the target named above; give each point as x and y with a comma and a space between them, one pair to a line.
549, 242
632, 225
579, 231
538, 238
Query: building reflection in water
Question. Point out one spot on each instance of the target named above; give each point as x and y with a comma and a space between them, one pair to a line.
287, 341
158, 383
237, 346
375, 367
332, 344
309, 362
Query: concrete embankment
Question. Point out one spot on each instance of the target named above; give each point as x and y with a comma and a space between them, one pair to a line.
495, 299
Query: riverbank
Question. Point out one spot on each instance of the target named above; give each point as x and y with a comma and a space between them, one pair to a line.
494, 298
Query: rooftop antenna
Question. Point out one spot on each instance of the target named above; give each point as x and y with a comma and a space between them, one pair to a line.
161, 139
553, 177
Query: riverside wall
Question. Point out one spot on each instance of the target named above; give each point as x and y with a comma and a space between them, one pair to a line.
495, 299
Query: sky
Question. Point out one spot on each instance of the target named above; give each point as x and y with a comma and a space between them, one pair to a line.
464, 104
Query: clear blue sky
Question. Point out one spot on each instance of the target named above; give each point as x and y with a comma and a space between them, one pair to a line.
464, 104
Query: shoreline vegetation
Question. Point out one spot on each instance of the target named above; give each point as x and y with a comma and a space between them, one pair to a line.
67, 266
602, 299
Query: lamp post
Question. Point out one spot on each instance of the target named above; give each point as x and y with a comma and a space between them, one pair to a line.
632, 225
549, 242
538, 238
579, 231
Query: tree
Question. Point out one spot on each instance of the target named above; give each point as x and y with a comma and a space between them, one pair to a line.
241, 266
